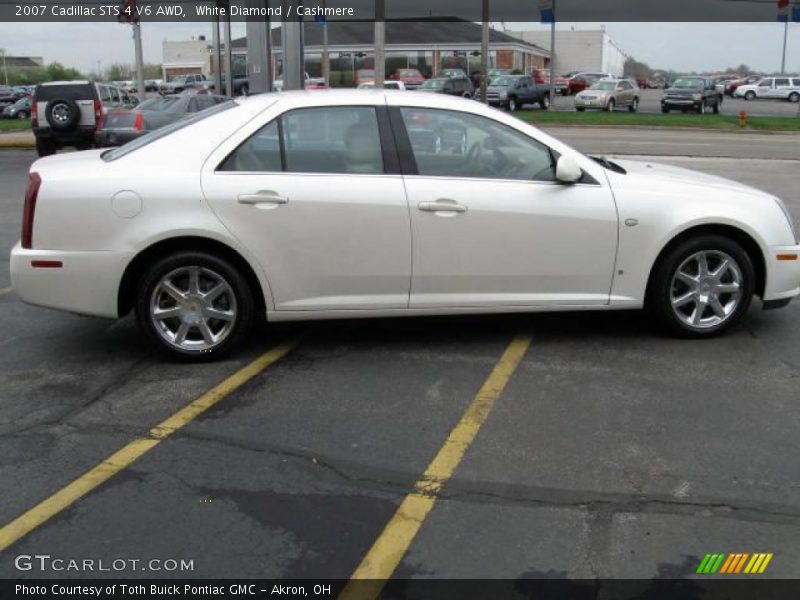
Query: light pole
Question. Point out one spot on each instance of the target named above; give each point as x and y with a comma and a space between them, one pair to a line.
5, 67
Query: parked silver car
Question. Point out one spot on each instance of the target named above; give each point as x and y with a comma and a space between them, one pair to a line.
608, 95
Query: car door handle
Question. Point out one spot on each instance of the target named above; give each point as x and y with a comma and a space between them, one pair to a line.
263, 198
442, 206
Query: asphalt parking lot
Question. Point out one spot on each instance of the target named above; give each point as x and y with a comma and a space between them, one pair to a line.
611, 452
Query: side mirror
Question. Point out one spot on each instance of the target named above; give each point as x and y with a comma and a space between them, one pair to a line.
568, 170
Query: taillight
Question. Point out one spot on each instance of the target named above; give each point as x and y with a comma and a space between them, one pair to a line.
98, 114
138, 121
30, 207
34, 112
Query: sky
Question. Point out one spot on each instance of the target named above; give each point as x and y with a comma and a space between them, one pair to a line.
679, 46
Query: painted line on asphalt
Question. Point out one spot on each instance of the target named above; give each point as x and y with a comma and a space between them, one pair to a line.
380, 562
7, 290
123, 458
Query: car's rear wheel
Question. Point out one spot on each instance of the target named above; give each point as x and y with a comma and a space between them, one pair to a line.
702, 286
794, 97
611, 105
194, 306
545, 102
580, 108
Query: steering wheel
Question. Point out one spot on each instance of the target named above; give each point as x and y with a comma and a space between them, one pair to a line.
474, 154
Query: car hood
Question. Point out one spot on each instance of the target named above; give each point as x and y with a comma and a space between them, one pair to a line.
748, 87
654, 175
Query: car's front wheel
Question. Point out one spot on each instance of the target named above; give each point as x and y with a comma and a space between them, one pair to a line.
702, 286
194, 306
749, 96
512, 104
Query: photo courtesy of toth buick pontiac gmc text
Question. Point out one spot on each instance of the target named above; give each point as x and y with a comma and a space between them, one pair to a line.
345, 204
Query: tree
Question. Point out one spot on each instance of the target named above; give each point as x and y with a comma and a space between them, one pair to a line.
637, 70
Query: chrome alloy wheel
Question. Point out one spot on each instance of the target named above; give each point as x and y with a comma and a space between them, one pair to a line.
193, 308
706, 289
61, 113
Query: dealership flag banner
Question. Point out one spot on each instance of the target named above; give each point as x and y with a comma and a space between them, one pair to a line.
547, 10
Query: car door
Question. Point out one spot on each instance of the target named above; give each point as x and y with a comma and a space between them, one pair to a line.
316, 195
492, 228
781, 88
764, 89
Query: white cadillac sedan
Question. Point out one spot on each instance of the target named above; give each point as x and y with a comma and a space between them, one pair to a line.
318, 205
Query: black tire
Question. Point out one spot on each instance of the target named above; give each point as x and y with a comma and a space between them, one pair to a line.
610, 106
634, 107
749, 96
45, 147
22, 115
701, 110
580, 108
63, 114
512, 104
665, 110
244, 321
716, 107
544, 103
659, 293
245, 91
794, 97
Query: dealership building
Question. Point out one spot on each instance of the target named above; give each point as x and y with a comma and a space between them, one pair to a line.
581, 50
425, 45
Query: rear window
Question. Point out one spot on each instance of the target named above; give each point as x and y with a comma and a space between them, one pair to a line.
153, 136
69, 91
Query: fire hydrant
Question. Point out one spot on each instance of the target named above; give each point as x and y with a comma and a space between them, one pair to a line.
742, 119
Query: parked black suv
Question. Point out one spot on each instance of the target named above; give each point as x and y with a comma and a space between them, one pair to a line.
691, 93
452, 86
68, 113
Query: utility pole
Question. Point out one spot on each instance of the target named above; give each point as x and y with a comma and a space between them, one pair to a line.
293, 55
484, 50
785, 40
5, 66
226, 35
380, 43
137, 42
326, 58
553, 55
217, 54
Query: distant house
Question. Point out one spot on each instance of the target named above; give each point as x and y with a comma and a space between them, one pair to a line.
189, 57
22, 62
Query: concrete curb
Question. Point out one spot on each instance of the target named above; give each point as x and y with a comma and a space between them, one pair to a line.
17, 139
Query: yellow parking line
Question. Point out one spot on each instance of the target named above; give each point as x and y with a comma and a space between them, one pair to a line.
71, 493
380, 562
6, 290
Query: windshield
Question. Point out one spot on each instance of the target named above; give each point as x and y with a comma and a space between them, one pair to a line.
433, 84
156, 104
501, 81
157, 134
604, 85
688, 84
22, 102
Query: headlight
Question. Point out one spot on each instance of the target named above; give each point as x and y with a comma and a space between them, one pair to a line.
697, 97
788, 216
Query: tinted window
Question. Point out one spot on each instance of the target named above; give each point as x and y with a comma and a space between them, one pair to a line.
783, 82
314, 140
453, 144
332, 140
72, 91
259, 153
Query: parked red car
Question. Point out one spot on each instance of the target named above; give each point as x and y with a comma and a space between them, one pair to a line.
364, 75
583, 81
411, 78
731, 86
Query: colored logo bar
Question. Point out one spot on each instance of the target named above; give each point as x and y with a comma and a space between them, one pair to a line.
737, 562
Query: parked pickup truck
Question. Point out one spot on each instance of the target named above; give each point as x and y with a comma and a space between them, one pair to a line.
177, 85
691, 93
514, 91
